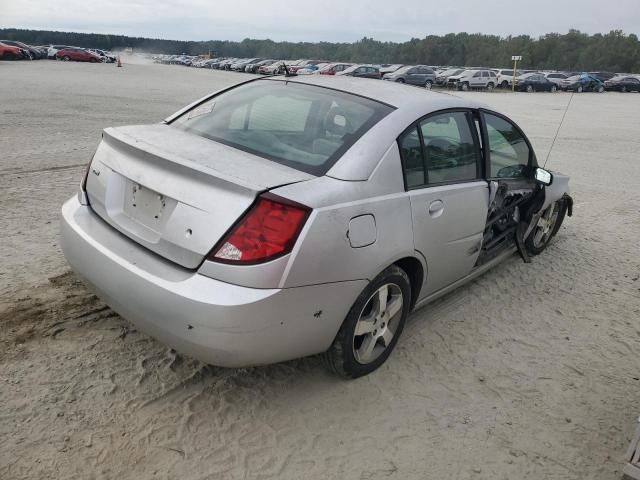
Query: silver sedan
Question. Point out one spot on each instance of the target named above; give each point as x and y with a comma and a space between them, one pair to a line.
291, 216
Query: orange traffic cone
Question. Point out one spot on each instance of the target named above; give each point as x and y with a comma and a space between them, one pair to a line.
119, 62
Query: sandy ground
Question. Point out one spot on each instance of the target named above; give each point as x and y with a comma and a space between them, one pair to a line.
530, 372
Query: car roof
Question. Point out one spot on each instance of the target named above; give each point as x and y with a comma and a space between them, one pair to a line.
390, 93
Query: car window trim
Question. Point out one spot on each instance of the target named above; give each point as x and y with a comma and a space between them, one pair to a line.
470, 116
532, 161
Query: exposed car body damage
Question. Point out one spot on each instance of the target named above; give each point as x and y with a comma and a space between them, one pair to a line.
514, 208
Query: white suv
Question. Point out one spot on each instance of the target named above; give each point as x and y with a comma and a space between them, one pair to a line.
505, 77
474, 79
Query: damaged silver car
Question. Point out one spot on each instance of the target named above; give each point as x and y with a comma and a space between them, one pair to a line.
291, 216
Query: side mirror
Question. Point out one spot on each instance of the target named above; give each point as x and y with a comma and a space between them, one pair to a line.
543, 176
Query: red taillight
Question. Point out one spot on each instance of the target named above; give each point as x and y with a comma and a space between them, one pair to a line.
268, 230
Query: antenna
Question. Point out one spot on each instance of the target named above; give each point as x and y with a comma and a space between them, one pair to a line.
287, 73
558, 130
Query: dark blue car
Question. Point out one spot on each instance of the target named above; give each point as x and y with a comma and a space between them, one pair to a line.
582, 83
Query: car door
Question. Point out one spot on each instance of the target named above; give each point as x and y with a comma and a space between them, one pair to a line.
476, 80
360, 72
409, 76
419, 76
449, 199
485, 78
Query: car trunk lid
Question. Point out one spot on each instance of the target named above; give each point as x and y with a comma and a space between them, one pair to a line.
176, 193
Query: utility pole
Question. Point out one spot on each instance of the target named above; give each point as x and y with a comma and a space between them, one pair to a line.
516, 59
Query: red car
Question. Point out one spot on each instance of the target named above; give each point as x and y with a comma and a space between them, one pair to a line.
333, 68
77, 55
8, 52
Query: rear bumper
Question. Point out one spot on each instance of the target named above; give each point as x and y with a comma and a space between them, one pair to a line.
213, 321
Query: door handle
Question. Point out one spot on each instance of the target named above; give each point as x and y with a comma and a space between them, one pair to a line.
435, 208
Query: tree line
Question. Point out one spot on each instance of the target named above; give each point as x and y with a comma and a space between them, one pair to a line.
614, 51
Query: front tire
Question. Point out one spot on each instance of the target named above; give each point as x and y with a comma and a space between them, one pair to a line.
579, 89
400, 80
465, 86
529, 88
554, 89
546, 227
372, 327
66, 58
504, 84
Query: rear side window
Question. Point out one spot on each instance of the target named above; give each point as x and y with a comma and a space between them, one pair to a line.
302, 126
441, 149
509, 151
449, 147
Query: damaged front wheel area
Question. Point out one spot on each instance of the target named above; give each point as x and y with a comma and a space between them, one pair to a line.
546, 226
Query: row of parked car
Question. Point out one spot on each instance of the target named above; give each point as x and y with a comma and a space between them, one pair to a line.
536, 81
458, 78
13, 50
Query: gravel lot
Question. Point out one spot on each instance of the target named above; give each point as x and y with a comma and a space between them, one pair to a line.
530, 372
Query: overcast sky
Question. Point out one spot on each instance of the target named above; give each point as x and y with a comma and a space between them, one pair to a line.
315, 20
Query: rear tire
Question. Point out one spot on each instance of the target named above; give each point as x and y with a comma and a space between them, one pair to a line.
623, 89
546, 227
428, 85
490, 86
600, 89
355, 353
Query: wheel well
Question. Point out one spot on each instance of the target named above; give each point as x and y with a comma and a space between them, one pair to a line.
415, 271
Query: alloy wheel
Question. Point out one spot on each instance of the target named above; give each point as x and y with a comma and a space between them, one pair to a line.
377, 323
545, 226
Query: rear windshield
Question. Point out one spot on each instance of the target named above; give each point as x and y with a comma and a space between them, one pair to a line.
302, 126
